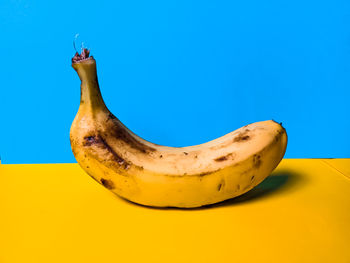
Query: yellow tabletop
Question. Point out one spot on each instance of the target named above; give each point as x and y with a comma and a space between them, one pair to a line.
57, 213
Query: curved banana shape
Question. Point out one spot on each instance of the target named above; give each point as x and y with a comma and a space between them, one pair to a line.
154, 175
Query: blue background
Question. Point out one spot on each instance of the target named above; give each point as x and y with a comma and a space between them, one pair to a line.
177, 72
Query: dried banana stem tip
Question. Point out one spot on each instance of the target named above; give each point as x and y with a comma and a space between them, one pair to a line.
81, 57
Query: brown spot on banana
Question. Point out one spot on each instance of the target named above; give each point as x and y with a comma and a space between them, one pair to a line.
203, 174
221, 185
224, 157
220, 159
256, 161
121, 133
90, 140
111, 116
107, 183
100, 142
243, 136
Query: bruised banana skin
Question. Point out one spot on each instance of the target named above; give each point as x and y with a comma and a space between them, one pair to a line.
160, 176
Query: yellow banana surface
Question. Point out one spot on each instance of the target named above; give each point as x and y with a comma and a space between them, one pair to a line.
161, 176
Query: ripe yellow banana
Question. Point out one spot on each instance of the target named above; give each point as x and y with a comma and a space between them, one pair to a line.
161, 176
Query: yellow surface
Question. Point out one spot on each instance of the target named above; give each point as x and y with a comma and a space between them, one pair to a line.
57, 213
341, 165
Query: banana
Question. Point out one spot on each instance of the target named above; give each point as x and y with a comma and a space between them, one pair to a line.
161, 176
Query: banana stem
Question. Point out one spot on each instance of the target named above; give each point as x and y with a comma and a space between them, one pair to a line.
90, 94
